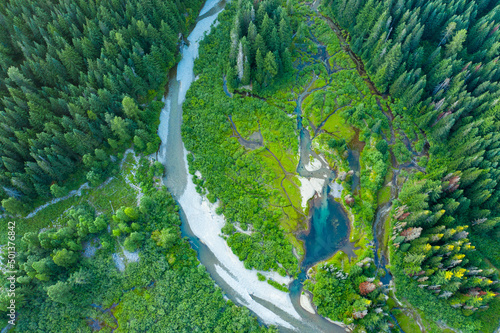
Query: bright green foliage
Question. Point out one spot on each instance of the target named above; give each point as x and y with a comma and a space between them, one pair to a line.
14, 206
343, 296
278, 286
58, 191
64, 295
133, 241
65, 258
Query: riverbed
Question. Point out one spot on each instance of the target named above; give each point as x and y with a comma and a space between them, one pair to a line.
200, 222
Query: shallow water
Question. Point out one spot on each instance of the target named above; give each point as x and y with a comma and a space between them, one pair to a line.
328, 227
202, 225
328, 231
381, 216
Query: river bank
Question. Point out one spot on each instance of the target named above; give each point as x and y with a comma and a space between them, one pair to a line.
200, 221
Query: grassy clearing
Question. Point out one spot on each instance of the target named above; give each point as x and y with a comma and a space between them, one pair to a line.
105, 199
407, 323
337, 126
384, 195
289, 223
112, 196
319, 83
293, 192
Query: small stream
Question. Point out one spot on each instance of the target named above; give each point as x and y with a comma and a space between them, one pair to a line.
380, 254
328, 227
224, 267
353, 160
381, 215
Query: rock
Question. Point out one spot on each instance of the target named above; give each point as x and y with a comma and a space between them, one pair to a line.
360, 314
366, 287
349, 200
305, 303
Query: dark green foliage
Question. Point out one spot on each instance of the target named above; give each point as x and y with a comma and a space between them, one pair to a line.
260, 44
14, 206
133, 241
343, 296
76, 76
382, 146
277, 285
439, 59
156, 294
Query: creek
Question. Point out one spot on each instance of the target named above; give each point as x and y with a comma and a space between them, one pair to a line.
199, 221
328, 228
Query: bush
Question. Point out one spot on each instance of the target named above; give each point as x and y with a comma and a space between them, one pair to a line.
14, 206
382, 146
278, 286
399, 239
404, 247
133, 241
58, 191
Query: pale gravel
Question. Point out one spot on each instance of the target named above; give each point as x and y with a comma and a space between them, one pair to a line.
336, 189
313, 165
305, 303
309, 187
206, 225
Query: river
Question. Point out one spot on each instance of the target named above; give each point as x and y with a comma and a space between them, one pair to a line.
202, 225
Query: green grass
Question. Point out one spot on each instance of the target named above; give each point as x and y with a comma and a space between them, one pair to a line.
340, 259
336, 125
293, 192
318, 84
112, 196
104, 199
42, 219
407, 323
384, 195
391, 303
299, 245
489, 318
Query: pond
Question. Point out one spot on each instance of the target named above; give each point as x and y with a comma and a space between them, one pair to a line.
328, 230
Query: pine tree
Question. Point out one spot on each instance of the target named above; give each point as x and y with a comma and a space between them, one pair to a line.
259, 60
456, 44
270, 66
285, 35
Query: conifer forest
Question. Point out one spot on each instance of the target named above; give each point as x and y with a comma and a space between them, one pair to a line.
250, 166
